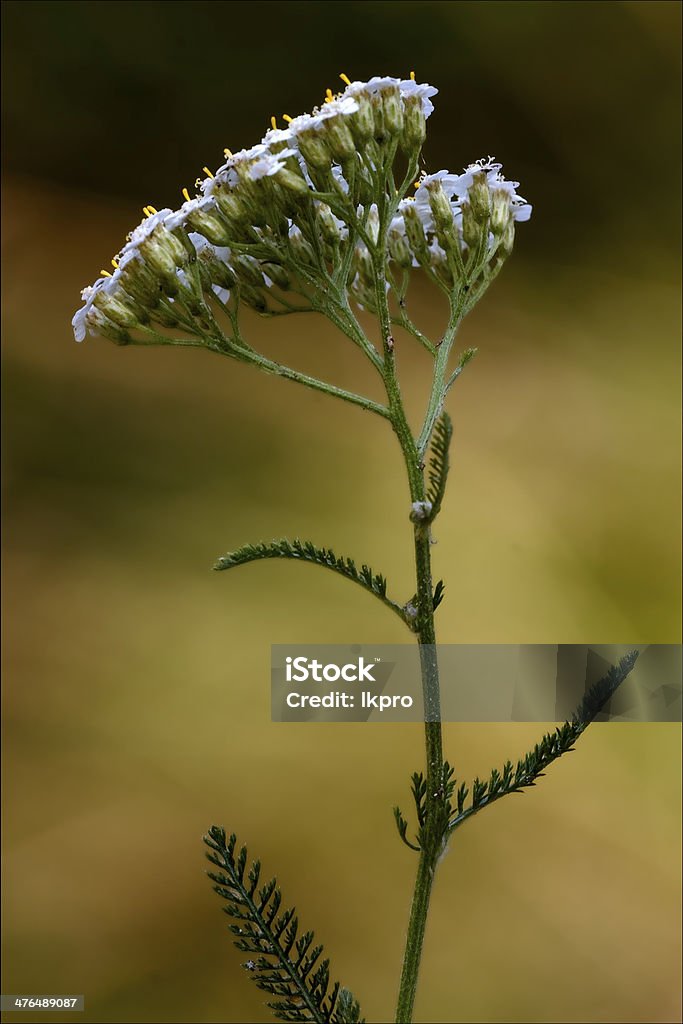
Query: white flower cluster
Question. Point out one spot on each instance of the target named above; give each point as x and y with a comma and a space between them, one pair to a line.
289, 208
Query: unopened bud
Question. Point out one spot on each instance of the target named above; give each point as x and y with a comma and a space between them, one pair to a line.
414, 123
98, 323
157, 256
440, 206
508, 239
314, 150
471, 230
479, 196
178, 245
163, 251
372, 223
363, 265
231, 206
277, 274
393, 110
211, 225
215, 269
248, 270
362, 122
293, 183
330, 227
500, 210
415, 232
138, 280
399, 250
363, 294
118, 312
301, 249
339, 138
253, 297
378, 116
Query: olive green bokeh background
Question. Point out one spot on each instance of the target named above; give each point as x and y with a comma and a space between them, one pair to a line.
136, 697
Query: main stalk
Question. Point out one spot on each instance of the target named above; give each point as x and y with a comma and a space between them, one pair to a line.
426, 637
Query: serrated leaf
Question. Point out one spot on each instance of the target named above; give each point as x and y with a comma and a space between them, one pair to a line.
439, 463
306, 551
282, 961
551, 747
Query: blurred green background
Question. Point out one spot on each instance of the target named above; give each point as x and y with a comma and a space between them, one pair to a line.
137, 682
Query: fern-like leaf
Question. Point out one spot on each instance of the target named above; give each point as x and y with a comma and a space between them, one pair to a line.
551, 747
402, 826
439, 463
282, 961
305, 551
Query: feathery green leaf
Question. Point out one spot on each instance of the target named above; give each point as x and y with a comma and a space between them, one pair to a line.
552, 746
281, 961
402, 826
439, 463
306, 551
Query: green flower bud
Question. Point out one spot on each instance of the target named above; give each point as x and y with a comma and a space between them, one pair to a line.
363, 266
180, 249
414, 124
158, 256
399, 250
277, 274
364, 294
500, 210
480, 197
164, 251
380, 131
138, 281
293, 183
248, 270
441, 208
301, 249
393, 110
213, 227
415, 233
100, 324
118, 312
329, 226
508, 239
169, 284
339, 138
253, 297
314, 150
214, 270
231, 206
471, 230
362, 122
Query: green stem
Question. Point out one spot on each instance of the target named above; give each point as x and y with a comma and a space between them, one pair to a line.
432, 833
270, 366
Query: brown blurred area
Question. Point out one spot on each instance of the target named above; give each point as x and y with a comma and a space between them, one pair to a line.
136, 698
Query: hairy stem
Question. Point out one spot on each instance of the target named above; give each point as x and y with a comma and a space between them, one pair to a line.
426, 637
432, 833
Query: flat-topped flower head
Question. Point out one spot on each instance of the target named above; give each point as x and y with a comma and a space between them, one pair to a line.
316, 200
